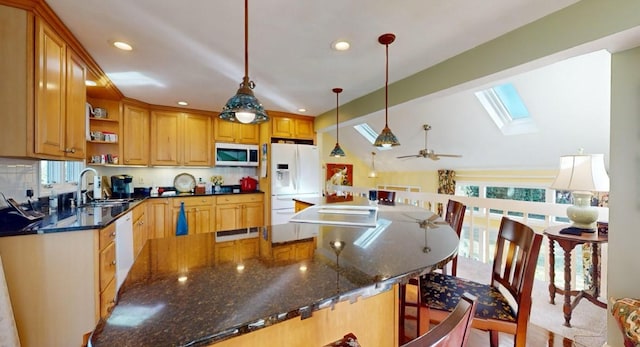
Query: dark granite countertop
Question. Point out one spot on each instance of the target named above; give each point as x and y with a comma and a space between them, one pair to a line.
178, 293
87, 217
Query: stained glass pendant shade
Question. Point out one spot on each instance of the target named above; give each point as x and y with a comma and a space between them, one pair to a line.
386, 137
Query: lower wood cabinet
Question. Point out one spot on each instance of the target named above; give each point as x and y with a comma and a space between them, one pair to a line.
140, 230
200, 212
60, 284
159, 218
239, 211
299, 250
236, 251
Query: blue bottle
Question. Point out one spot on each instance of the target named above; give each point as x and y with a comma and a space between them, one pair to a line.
181, 226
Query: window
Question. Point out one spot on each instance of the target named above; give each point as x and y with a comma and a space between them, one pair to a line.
365, 130
507, 110
61, 175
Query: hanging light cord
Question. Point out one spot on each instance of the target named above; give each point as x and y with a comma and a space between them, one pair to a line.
337, 91
386, 90
246, 39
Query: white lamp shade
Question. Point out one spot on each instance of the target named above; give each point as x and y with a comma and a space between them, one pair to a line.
582, 173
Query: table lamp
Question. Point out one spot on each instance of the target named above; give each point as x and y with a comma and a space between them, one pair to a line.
582, 174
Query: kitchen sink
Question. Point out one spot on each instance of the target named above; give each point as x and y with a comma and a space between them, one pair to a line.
109, 202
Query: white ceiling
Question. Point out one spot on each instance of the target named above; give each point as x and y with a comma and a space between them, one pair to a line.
193, 51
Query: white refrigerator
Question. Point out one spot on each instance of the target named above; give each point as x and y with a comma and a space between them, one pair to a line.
295, 170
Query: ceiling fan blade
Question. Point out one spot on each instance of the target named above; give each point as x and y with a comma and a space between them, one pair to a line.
407, 156
448, 155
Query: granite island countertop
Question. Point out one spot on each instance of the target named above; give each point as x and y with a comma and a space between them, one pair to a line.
179, 293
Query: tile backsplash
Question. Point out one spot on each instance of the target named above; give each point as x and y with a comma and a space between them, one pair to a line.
18, 175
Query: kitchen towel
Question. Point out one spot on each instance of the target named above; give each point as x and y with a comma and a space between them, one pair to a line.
181, 226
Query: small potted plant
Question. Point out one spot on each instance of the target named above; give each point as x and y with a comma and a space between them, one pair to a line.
217, 182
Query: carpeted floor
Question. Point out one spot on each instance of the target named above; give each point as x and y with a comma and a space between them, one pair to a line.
589, 322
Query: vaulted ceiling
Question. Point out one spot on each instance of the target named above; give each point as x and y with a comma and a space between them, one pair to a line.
193, 51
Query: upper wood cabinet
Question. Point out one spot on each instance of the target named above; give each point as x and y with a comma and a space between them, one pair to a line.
135, 135
180, 139
231, 132
298, 127
42, 90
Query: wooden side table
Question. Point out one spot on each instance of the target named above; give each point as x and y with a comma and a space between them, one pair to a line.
567, 243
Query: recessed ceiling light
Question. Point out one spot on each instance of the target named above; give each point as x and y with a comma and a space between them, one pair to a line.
90, 83
302, 110
341, 45
183, 103
123, 45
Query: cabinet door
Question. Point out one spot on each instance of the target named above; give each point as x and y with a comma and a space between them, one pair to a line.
197, 140
158, 218
165, 138
50, 92
205, 219
246, 249
303, 128
247, 133
135, 136
225, 251
253, 215
282, 127
229, 217
224, 131
76, 101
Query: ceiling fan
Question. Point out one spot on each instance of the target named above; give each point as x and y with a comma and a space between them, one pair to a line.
426, 152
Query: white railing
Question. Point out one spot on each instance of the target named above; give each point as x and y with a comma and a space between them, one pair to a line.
482, 219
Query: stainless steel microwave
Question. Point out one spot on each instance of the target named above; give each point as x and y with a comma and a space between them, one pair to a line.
234, 154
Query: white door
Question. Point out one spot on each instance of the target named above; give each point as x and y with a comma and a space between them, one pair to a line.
308, 170
283, 169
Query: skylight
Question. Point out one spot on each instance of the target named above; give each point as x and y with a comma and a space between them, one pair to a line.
507, 110
365, 130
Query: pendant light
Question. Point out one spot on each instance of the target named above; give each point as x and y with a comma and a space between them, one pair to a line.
337, 151
386, 137
373, 173
244, 107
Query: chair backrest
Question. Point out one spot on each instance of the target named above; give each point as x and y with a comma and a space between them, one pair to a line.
455, 215
514, 265
453, 330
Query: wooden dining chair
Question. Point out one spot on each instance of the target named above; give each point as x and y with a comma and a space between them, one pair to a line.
453, 330
514, 265
454, 216
386, 197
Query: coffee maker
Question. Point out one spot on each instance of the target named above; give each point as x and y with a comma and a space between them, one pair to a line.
121, 186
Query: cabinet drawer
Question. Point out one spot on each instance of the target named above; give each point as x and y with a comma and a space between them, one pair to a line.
107, 265
107, 235
194, 201
108, 299
241, 198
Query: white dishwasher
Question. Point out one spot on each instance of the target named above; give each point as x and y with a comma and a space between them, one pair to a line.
124, 247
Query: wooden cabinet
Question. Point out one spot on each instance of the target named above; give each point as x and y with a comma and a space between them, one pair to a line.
100, 149
42, 90
159, 218
298, 250
140, 230
296, 127
200, 212
239, 211
135, 135
231, 132
236, 250
180, 139
107, 269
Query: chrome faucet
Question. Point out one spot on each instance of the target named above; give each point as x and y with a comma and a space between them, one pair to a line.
79, 200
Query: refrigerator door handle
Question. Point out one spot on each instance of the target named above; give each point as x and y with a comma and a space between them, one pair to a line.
294, 179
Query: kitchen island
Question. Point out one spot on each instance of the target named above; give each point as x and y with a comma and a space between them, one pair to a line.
183, 291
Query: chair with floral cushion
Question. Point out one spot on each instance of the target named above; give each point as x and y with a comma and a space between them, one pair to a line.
454, 216
514, 264
453, 330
